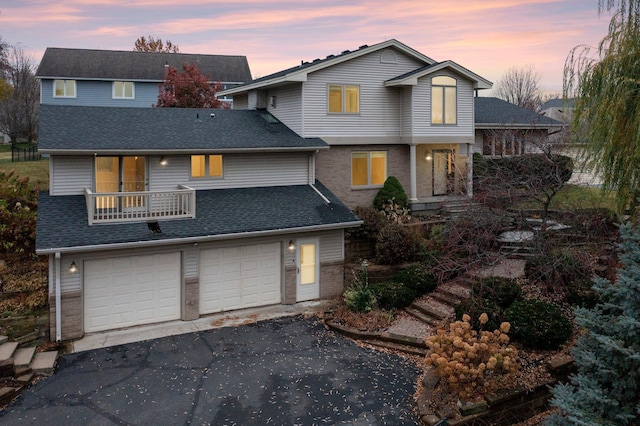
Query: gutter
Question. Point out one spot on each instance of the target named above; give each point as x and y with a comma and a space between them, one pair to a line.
178, 151
188, 240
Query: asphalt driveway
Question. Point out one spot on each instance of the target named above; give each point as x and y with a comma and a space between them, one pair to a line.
288, 371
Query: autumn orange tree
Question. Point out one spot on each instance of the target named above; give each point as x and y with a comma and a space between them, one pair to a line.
188, 89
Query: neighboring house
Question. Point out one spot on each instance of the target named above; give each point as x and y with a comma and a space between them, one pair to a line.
559, 109
124, 78
158, 214
504, 129
385, 110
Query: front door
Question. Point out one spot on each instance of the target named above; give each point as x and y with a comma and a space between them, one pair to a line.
308, 269
443, 169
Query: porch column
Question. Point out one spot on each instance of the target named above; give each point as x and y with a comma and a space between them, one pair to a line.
412, 173
470, 170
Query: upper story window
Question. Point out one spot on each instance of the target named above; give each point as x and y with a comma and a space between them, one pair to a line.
444, 100
64, 88
344, 99
368, 168
206, 166
123, 90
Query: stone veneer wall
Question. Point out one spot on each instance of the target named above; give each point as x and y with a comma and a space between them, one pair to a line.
331, 279
191, 299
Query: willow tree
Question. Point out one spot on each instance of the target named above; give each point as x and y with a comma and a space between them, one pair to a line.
606, 86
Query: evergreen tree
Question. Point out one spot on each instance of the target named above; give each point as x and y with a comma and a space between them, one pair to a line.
606, 388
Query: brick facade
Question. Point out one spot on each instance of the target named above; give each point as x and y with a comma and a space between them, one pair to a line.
191, 299
72, 324
331, 279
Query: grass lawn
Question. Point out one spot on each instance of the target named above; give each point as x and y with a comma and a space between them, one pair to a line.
576, 197
37, 171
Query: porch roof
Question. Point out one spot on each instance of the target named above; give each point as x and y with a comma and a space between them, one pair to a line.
221, 214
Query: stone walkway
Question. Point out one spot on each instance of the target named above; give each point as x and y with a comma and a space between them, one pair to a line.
407, 326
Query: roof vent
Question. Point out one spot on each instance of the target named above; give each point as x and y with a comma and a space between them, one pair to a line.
364, 46
212, 115
330, 56
316, 60
344, 52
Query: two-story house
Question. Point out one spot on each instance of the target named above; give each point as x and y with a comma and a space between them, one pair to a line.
385, 110
158, 214
124, 78
504, 129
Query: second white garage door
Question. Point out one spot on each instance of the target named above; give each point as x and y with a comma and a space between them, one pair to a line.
239, 277
125, 291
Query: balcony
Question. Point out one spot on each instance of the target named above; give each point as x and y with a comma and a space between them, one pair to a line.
114, 207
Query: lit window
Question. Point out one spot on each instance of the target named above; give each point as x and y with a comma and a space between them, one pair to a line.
443, 100
64, 88
344, 99
123, 90
368, 168
203, 166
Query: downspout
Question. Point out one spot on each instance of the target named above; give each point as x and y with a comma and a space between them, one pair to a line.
58, 301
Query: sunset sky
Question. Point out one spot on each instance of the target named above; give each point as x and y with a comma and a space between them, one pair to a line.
486, 36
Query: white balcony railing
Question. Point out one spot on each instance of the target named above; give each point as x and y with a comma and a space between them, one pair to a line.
112, 207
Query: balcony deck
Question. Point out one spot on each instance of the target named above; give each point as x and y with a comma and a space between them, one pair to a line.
114, 207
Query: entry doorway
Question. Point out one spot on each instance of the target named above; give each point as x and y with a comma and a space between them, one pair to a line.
120, 174
443, 171
308, 269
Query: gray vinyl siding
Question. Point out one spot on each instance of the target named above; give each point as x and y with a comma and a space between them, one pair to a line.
288, 107
240, 171
422, 109
380, 106
100, 93
332, 246
479, 142
191, 262
240, 102
407, 111
70, 175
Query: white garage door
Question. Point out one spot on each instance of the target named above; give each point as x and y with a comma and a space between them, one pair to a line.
239, 277
125, 291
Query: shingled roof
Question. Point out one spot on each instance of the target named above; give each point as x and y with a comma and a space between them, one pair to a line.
137, 66
221, 214
171, 130
494, 112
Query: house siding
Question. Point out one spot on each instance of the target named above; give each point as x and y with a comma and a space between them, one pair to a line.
380, 106
100, 93
288, 107
240, 171
70, 175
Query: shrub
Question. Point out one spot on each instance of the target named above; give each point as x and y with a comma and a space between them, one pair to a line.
391, 190
582, 294
476, 306
556, 269
18, 204
359, 297
394, 244
373, 220
419, 277
465, 359
502, 291
393, 295
538, 324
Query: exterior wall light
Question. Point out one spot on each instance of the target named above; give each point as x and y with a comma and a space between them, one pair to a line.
292, 245
73, 267
428, 157
163, 161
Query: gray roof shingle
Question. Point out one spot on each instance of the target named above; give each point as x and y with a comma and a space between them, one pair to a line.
62, 220
96, 129
494, 111
132, 65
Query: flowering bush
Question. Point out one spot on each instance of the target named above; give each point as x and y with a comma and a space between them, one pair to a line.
466, 359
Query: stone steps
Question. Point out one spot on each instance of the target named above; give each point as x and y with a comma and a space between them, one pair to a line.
16, 361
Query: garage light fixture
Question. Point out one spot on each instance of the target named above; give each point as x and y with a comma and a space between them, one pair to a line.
292, 246
163, 161
73, 267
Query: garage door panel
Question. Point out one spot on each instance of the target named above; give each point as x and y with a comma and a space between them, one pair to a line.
126, 291
239, 277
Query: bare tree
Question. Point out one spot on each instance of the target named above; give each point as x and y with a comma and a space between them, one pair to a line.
520, 86
19, 109
152, 44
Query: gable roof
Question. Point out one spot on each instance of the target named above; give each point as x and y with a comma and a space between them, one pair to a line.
221, 214
90, 64
299, 73
89, 130
491, 113
411, 78
558, 103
